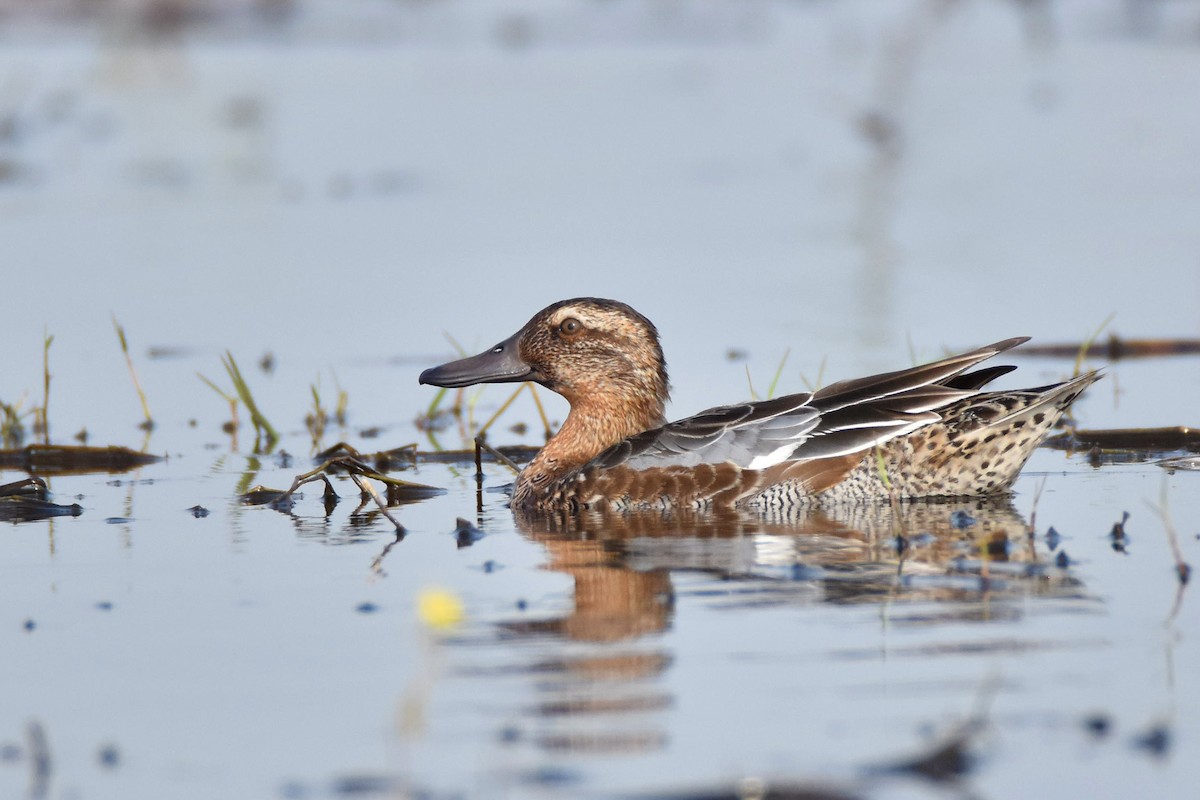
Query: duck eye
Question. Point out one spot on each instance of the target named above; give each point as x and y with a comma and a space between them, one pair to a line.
570, 326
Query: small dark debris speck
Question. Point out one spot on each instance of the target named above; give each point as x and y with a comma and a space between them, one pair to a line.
552, 776
366, 608
1156, 741
104, 605
29, 625
10, 752
109, 756
117, 520
1062, 560
199, 512
1098, 725
522, 605
293, 790
1052, 539
365, 785
466, 534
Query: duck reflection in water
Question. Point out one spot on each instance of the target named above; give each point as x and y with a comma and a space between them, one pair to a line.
956, 552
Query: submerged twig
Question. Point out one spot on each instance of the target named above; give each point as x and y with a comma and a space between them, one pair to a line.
480, 444
357, 470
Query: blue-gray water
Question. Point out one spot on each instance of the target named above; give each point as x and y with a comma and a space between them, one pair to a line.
863, 187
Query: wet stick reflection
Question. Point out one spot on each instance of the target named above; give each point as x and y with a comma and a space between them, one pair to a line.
1183, 570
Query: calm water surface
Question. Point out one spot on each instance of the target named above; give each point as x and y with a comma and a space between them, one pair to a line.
853, 187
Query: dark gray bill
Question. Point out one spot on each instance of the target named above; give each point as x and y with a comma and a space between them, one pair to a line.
501, 364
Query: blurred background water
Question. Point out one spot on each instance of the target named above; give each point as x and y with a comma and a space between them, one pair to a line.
858, 185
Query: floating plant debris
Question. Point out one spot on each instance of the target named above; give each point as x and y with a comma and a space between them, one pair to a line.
1181, 462
275, 498
29, 499
1115, 348
1180, 437
466, 534
55, 459
517, 453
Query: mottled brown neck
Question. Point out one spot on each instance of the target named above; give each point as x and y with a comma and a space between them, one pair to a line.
591, 427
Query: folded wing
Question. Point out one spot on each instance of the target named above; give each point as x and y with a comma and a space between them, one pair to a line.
839, 420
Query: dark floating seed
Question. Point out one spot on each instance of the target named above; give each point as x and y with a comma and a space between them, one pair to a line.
199, 512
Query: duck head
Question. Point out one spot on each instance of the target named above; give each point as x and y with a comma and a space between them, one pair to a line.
594, 352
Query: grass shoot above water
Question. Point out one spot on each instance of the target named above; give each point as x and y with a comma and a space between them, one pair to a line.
262, 427
148, 424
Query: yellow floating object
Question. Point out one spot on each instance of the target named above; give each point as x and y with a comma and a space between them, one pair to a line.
439, 608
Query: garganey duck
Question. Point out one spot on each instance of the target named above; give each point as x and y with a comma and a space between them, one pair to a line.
928, 431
